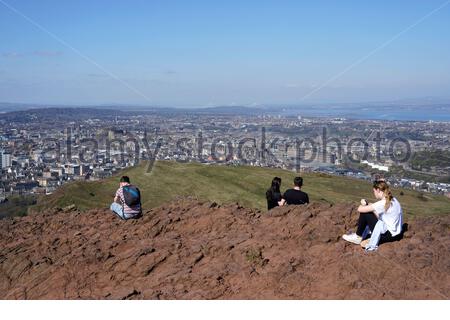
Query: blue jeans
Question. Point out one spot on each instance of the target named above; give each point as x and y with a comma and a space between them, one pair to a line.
380, 228
118, 210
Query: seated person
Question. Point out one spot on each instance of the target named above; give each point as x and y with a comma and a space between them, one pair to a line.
273, 194
383, 218
295, 196
127, 201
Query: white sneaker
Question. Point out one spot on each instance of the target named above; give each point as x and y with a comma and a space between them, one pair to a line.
371, 249
353, 238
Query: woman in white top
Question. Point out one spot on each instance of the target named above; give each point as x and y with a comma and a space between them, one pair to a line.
383, 218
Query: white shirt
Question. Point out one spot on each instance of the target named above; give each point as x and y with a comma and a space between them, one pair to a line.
392, 217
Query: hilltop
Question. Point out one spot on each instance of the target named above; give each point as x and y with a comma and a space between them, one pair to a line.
227, 184
190, 249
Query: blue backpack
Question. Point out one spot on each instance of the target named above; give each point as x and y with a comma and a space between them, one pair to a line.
131, 195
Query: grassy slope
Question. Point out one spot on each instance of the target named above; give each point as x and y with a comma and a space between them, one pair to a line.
246, 185
16, 206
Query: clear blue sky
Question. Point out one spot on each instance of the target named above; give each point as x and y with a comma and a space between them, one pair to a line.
199, 53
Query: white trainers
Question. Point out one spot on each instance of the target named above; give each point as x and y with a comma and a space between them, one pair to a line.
371, 249
353, 238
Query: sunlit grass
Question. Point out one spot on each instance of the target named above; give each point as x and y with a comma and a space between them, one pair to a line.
228, 184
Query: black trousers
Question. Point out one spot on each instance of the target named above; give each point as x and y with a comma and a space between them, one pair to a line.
370, 219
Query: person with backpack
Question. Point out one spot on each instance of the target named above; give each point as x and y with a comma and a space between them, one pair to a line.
127, 201
383, 218
295, 195
273, 194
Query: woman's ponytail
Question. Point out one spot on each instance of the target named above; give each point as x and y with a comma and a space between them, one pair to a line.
383, 186
388, 196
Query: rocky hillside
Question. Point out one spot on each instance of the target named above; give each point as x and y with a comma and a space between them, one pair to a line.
199, 250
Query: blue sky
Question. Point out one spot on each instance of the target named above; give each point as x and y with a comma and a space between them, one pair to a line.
204, 53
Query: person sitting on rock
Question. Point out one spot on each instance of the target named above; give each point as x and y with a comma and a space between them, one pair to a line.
127, 201
273, 194
383, 218
295, 195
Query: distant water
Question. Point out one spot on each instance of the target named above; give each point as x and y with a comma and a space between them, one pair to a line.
439, 114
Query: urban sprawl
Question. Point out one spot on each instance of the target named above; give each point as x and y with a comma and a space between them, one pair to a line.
41, 149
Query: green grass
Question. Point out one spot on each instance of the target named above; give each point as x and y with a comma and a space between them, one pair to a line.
227, 184
16, 206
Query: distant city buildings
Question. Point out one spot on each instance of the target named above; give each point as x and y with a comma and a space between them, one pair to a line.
5, 160
376, 166
42, 149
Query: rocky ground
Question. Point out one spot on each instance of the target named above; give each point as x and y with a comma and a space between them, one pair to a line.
195, 250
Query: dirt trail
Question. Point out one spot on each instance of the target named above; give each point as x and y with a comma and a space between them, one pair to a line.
193, 250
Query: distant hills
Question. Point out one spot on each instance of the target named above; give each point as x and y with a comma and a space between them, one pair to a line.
436, 109
9, 112
18, 107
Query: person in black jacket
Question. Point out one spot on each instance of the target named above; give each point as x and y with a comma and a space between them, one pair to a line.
273, 194
295, 196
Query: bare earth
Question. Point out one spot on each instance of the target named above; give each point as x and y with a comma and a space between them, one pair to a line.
193, 250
